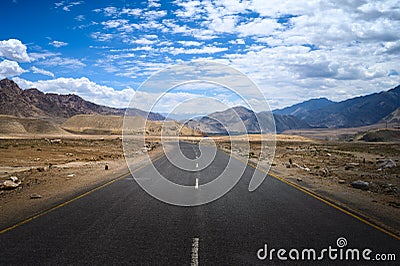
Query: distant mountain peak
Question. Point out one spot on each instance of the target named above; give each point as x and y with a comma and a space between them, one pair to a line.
300, 109
34, 103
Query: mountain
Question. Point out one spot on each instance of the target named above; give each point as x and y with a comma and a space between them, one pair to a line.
301, 109
359, 111
240, 120
393, 117
34, 103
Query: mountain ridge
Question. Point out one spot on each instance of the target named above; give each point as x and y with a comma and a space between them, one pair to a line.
35, 103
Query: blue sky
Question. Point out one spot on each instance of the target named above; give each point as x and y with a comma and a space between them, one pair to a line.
293, 50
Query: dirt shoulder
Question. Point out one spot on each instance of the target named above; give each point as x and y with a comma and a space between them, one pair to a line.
54, 172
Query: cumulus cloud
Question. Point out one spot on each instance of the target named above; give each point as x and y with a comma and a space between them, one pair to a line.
58, 44
83, 87
10, 69
42, 71
14, 50
297, 50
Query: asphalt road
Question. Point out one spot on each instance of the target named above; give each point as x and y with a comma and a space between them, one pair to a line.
122, 224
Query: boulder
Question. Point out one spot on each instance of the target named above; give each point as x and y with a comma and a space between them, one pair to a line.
9, 184
359, 184
389, 163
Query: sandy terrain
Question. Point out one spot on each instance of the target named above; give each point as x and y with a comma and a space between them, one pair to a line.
327, 168
57, 170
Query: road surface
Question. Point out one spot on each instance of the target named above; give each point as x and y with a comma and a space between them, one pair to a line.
122, 224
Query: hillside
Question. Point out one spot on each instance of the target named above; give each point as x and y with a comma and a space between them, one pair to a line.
16, 125
359, 111
240, 119
393, 117
34, 103
301, 109
110, 125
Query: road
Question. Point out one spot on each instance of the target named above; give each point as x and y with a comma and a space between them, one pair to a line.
122, 224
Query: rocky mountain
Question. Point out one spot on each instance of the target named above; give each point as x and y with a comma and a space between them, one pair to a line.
34, 103
240, 120
301, 109
393, 117
359, 111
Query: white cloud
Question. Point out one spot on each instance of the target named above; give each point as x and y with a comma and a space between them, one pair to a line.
154, 3
58, 44
258, 27
143, 41
10, 69
83, 87
154, 14
190, 43
203, 50
80, 18
42, 71
66, 5
14, 50
70, 63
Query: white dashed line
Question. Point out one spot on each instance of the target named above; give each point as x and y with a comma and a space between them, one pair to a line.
197, 165
195, 252
197, 183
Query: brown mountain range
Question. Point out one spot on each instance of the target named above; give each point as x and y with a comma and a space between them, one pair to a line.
34, 103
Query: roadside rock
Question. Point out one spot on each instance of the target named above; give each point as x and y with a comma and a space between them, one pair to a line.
14, 178
359, 184
350, 166
9, 184
389, 163
35, 196
342, 181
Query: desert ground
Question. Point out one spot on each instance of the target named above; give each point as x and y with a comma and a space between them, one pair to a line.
53, 169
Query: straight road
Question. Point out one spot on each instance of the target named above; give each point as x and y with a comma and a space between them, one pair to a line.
122, 224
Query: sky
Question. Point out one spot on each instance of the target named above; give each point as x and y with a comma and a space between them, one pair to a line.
292, 50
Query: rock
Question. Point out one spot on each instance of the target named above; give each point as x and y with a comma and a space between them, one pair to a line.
329, 155
299, 179
71, 175
106, 167
350, 166
52, 141
322, 172
9, 184
14, 178
287, 164
35, 196
341, 181
389, 163
359, 184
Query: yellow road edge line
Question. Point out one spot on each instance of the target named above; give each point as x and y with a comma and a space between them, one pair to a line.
316, 196
41, 213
